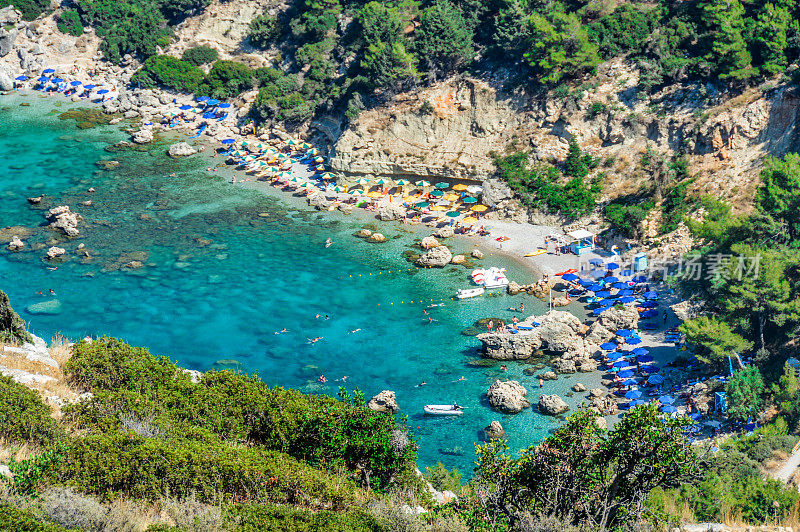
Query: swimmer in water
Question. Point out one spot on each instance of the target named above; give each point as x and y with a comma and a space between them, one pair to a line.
322, 379
431, 320
423, 383
328, 242
282, 331
317, 316
53, 292
463, 378
314, 340
354, 331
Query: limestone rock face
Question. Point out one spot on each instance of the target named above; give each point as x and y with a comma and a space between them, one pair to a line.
552, 405
494, 431
435, 257
619, 318
598, 334
561, 365
55, 252
507, 397
143, 136
181, 149
504, 346
384, 402
429, 242
16, 244
391, 211
63, 218
364, 233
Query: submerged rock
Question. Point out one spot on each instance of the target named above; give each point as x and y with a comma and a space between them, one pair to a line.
507, 396
63, 218
377, 237
51, 307
143, 136
391, 211
477, 254
578, 387
181, 149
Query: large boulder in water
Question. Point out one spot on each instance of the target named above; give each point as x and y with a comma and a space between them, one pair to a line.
494, 431
12, 327
507, 346
552, 405
391, 211
507, 396
181, 149
384, 402
437, 257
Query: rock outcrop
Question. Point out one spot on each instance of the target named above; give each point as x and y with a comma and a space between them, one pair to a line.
435, 257
429, 242
63, 218
494, 431
505, 346
54, 252
507, 397
391, 211
385, 401
552, 405
12, 327
16, 244
617, 318
143, 136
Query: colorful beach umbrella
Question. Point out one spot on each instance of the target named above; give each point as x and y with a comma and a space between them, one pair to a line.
645, 358
313, 151
362, 181
624, 332
328, 175
460, 187
437, 193
442, 185
423, 183
469, 220
620, 286
453, 214
479, 208
401, 182
209, 116
422, 205
650, 369
357, 192
570, 277
602, 293
469, 200
626, 299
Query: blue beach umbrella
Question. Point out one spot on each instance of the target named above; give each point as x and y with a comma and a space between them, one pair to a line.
48, 71
585, 282
632, 394
633, 341
202, 98
697, 416
185, 107
612, 266
228, 141
224, 105
595, 262
470, 200
602, 293
607, 303
668, 409
640, 351
212, 102
598, 311
21, 78
621, 364
666, 399
75, 83
89, 86
644, 359
610, 280
43, 79
608, 346
651, 313
649, 304
650, 369
637, 402
208, 116
655, 379
615, 355
639, 279
626, 292
620, 286
570, 277
56, 80
650, 295
595, 287
627, 299
442, 185
623, 332
626, 374
103, 91
630, 382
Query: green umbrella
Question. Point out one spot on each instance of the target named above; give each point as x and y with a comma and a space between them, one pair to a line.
469, 199
423, 183
437, 193
453, 214
421, 204
442, 185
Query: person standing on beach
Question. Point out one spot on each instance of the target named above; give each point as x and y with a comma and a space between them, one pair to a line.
490, 325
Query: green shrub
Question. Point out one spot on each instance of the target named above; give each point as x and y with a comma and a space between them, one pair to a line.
126, 27
69, 22
31, 472
170, 72
227, 79
30, 9
200, 55
18, 520
597, 108
442, 478
627, 218
255, 518
114, 464
264, 29
23, 415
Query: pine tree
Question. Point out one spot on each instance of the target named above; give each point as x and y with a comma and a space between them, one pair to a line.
728, 49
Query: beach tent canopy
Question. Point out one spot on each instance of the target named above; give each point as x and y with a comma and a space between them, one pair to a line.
580, 234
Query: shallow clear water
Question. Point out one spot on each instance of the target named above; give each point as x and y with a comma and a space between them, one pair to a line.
219, 280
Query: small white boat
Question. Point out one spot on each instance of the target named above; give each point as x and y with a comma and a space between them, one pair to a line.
464, 293
443, 410
490, 278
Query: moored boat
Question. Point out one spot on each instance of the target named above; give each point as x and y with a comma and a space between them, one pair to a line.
465, 293
490, 277
444, 410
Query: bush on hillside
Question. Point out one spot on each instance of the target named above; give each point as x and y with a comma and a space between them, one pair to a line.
20, 520
200, 55
627, 217
227, 79
114, 464
69, 22
169, 72
30, 9
256, 517
23, 415
264, 29
12, 327
126, 27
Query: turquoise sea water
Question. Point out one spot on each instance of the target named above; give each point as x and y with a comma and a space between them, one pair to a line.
219, 279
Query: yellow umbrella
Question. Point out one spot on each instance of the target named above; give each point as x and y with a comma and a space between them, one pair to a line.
451, 197
460, 187
439, 208
374, 194
479, 208
469, 220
